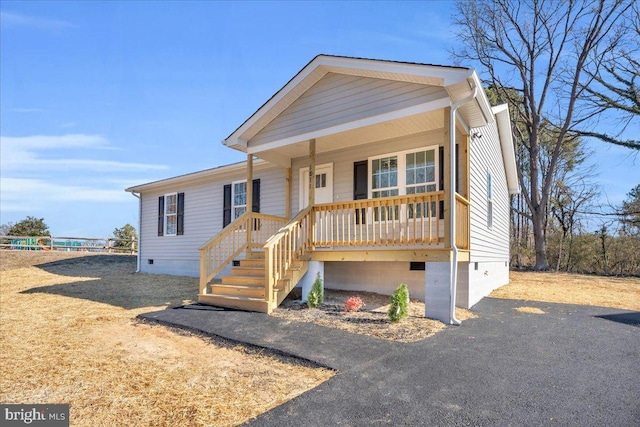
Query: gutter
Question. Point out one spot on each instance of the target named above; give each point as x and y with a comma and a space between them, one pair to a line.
453, 272
139, 197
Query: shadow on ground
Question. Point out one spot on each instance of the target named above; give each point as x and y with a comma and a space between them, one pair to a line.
111, 279
626, 318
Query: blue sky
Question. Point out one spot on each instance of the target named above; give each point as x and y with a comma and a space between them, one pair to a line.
99, 96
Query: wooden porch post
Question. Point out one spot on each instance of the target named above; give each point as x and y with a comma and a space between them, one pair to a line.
312, 189
287, 206
249, 207
447, 176
312, 172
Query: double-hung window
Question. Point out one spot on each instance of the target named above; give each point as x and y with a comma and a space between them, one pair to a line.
403, 173
171, 214
239, 198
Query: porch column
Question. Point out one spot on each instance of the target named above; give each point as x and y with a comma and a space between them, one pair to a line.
312, 189
447, 178
249, 202
312, 172
287, 205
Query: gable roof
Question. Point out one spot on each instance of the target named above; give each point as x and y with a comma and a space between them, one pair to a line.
459, 83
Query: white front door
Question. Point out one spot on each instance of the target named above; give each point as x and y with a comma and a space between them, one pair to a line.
323, 184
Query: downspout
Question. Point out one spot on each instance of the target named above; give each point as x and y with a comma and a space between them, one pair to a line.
139, 229
453, 273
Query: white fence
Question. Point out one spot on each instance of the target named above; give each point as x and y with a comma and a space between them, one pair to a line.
61, 243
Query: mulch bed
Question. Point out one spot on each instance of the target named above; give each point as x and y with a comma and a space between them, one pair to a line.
372, 320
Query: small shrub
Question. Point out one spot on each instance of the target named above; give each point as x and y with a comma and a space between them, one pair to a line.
353, 304
399, 304
316, 295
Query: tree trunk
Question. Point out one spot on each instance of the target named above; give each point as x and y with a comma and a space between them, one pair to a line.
538, 237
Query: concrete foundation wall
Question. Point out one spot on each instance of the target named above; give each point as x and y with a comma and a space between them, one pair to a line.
475, 284
380, 277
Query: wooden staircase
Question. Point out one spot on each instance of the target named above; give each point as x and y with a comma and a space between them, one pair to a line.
245, 288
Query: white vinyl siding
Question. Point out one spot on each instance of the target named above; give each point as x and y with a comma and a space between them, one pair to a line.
337, 99
343, 161
489, 221
203, 219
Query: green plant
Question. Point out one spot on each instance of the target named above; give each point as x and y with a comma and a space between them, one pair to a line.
316, 295
399, 304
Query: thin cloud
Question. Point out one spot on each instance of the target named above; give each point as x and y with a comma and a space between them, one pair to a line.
28, 154
18, 20
25, 195
54, 141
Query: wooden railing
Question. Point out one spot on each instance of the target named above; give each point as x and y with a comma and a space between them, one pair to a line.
462, 222
287, 247
234, 239
390, 221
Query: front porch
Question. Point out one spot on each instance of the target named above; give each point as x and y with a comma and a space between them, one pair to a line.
276, 253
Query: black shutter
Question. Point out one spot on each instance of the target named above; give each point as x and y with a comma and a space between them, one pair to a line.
360, 186
226, 206
441, 178
180, 216
161, 216
441, 173
256, 196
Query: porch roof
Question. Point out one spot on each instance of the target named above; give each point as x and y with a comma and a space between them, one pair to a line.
441, 85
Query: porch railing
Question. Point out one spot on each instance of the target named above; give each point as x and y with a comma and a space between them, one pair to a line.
389, 221
234, 239
462, 222
288, 246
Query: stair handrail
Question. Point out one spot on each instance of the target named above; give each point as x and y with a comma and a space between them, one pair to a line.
215, 256
286, 247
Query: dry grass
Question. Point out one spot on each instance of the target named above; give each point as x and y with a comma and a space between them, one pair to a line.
372, 320
529, 310
615, 292
67, 336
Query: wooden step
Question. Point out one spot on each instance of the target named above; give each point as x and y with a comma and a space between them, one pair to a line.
252, 263
243, 280
248, 271
240, 303
239, 291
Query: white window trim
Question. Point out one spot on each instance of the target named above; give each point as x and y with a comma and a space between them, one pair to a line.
233, 198
402, 168
167, 215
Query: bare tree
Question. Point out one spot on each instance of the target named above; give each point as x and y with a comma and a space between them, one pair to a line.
537, 49
612, 84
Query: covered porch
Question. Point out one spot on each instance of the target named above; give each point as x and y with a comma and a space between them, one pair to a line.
414, 201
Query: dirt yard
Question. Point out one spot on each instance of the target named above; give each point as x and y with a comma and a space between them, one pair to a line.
68, 335
616, 292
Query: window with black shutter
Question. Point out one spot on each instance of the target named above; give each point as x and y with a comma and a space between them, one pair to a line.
234, 202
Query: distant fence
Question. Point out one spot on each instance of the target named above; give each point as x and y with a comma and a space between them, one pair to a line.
68, 244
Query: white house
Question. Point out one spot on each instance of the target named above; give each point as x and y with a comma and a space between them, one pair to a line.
371, 173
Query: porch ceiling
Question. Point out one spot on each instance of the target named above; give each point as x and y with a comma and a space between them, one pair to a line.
400, 127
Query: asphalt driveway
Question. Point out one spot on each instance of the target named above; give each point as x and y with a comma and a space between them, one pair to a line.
574, 365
